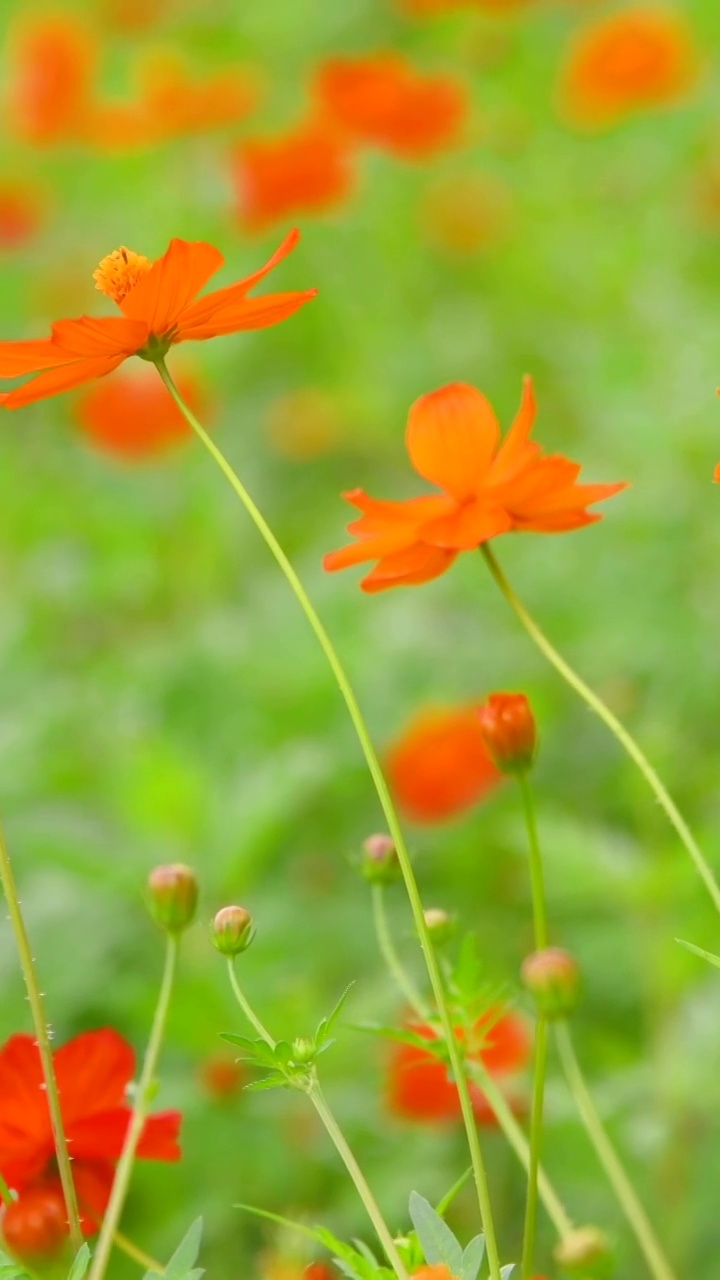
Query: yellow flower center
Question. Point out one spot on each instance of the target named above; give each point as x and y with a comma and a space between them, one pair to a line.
119, 272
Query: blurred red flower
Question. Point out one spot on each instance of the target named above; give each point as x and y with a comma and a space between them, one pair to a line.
630, 61
487, 488
160, 307
383, 101
418, 1084
53, 59
308, 169
21, 212
133, 416
220, 1076
440, 765
93, 1072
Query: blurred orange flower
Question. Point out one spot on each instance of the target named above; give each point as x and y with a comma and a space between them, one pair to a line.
487, 488
21, 212
426, 8
633, 60
133, 416
306, 170
440, 765
383, 101
176, 104
132, 15
221, 1076
418, 1084
53, 59
160, 307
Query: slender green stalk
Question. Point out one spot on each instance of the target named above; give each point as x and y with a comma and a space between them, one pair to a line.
625, 739
383, 793
635, 1214
312, 1088
537, 878
141, 1107
142, 1258
389, 954
42, 1037
5, 1194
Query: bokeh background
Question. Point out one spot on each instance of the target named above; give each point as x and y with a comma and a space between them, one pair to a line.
161, 698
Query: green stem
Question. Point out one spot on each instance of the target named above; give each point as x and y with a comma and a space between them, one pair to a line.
312, 1088
537, 878
42, 1037
142, 1258
390, 955
635, 1214
381, 787
625, 739
143, 1098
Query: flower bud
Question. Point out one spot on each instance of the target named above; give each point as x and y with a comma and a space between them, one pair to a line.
233, 930
34, 1227
303, 1050
173, 894
585, 1251
380, 864
440, 925
552, 977
509, 731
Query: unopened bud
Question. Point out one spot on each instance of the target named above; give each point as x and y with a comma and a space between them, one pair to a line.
585, 1252
552, 977
380, 864
509, 731
173, 894
233, 930
440, 925
303, 1050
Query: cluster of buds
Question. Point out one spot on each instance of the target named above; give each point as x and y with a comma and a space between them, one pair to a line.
552, 976
509, 732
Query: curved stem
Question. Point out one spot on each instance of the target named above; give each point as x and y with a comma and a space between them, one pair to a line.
42, 1037
625, 739
124, 1169
388, 808
537, 878
142, 1258
635, 1214
312, 1088
390, 955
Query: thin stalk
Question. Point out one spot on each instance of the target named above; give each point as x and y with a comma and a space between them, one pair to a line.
390, 955
625, 739
335, 1133
5, 1192
633, 1210
142, 1258
141, 1107
387, 806
537, 879
42, 1037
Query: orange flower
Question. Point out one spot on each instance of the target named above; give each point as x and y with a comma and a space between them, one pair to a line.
487, 488
440, 765
20, 212
53, 62
633, 60
382, 100
426, 8
418, 1084
221, 1076
132, 15
308, 169
175, 104
160, 307
133, 416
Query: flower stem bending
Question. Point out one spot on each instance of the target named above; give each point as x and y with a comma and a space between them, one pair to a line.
138, 1255
42, 1037
387, 806
312, 1088
386, 945
625, 739
143, 1097
635, 1214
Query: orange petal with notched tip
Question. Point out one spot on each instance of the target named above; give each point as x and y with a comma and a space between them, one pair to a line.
172, 284
202, 311
516, 450
63, 378
451, 436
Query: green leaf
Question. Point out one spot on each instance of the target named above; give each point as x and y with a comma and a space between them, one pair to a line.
256, 1050
12, 1271
326, 1025
472, 1258
437, 1240
311, 1233
698, 951
283, 1053
442, 1205
80, 1263
275, 1081
506, 1272
182, 1264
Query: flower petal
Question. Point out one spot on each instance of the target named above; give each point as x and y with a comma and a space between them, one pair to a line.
99, 336
467, 527
64, 378
101, 1135
205, 308
93, 1072
172, 283
245, 313
18, 358
516, 451
23, 1105
451, 436
93, 1182
408, 568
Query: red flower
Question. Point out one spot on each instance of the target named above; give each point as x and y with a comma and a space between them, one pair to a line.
382, 100
132, 415
487, 488
160, 307
440, 765
93, 1072
305, 170
418, 1084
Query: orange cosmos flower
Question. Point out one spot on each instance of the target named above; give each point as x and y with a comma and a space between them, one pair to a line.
221, 1076
306, 170
160, 307
21, 212
419, 1087
633, 60
382, 100
440, 765
487, 488
175, 104
426, 8
133, 416
53, 63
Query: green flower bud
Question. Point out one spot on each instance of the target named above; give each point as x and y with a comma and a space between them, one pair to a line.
380, 864
552, 977
173, 893
233, 930
440, 925
585, 1252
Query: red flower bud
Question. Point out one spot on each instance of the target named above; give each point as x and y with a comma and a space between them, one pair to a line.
585, 1252
173, 896
380, 863
509, 732
35, 1226
233, 930
552, 977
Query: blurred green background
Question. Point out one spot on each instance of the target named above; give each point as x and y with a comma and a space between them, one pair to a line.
161, 698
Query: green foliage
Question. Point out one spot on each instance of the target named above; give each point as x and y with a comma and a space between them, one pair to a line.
80, 1262
182, 1263
291, 1064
